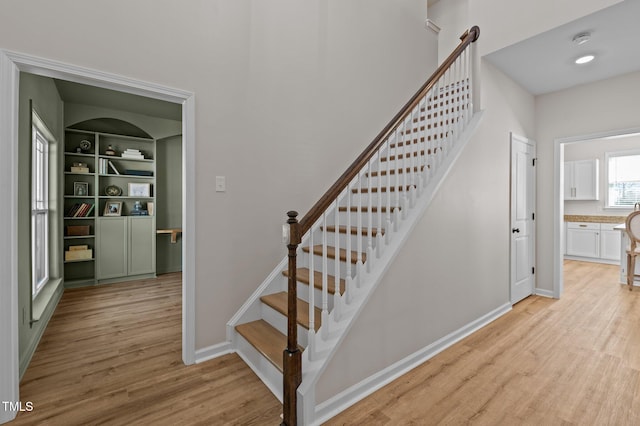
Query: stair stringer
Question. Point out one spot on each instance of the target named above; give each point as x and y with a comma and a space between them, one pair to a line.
313, 369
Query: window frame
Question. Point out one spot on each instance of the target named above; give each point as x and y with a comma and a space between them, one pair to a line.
40, 209
607, 157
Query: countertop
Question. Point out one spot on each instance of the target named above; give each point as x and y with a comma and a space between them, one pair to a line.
594, 219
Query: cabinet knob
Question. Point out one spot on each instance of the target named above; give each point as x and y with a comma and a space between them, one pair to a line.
515, 230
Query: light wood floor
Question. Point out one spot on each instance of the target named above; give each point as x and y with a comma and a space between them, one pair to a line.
111, 355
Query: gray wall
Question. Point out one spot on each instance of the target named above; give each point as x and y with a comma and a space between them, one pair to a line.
168, 203
47, 103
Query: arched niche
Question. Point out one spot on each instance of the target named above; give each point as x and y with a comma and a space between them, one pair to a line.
111, 125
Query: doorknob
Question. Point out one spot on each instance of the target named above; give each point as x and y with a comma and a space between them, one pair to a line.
514, 230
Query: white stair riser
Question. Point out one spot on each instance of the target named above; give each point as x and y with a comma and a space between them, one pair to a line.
267, 372
331, 265
303, 294
394, 197
279, 322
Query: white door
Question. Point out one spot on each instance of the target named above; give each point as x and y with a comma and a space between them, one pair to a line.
522, 229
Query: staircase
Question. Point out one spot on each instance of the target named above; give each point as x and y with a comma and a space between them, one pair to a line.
339, 251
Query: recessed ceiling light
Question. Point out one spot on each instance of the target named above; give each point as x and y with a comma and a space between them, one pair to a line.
581, 38
585, 59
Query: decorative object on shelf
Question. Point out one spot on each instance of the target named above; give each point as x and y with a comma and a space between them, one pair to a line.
138, 210
77, 230
110, 151
150, 207
113, 208
80, 168
85, 145
81, 189
82, 252
139, 189
113, 191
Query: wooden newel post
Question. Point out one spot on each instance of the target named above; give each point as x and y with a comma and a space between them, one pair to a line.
292, 357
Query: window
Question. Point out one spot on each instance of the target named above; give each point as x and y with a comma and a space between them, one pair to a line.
39, 210
623, 178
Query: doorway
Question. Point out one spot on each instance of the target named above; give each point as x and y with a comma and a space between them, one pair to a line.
11, 64
590, 147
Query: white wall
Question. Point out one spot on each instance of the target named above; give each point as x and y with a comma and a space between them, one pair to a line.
287, 94
588, 150
455, 266
602, 106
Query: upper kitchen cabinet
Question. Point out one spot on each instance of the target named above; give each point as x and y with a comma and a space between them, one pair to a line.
581, 180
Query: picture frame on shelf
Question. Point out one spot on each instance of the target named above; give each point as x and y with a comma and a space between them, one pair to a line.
113, 208
139, 189
81, 189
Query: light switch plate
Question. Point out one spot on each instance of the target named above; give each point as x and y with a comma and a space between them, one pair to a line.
221, 183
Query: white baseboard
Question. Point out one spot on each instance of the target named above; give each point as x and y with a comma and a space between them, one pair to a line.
543, 292
211, 352
357, 392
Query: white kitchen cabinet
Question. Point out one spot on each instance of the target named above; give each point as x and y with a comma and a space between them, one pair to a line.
581, 180
609, 242
583, 239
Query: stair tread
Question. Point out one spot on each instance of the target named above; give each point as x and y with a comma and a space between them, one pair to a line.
331, 253
279, 302
394, 171
382, 189
374, 209
266, 339
354, 230
302, 275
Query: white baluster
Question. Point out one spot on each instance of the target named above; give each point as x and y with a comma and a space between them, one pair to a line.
387, 233
325, 279
349, 283
379, 212
337, 298
311, 298
369, 261
360, 262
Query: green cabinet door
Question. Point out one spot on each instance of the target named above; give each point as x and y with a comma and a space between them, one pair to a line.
142, 245
112, 253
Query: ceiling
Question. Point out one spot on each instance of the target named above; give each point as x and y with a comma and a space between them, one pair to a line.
545, 63
83, 94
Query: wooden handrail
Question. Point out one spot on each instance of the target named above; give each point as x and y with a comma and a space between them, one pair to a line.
334, 191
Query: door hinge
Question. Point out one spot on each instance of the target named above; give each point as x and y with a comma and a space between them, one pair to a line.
533, 270
533, 216
534, 161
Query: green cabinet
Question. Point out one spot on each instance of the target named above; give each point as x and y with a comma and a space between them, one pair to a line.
126, 246
112, 247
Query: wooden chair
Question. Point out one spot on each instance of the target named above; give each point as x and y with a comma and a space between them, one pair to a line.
632, 225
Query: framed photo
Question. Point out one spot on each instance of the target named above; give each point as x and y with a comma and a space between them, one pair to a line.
81, 189
139, 190
113, 208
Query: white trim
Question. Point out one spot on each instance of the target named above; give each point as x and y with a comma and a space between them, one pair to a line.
558, 200
214, 351
10, 65
348, 397
188, 230
9, 363
543, 292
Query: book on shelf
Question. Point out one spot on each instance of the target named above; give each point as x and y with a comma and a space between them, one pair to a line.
80, 210
132, 153
104, 166
113, 167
